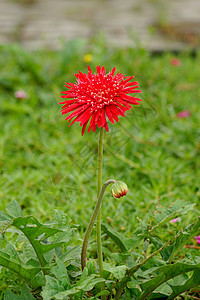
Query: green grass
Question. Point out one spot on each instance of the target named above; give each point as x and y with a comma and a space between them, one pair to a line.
46, 165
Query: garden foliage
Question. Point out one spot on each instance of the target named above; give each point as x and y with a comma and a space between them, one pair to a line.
45, 256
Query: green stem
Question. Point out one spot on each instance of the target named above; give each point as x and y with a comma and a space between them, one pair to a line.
99, 184
91, 223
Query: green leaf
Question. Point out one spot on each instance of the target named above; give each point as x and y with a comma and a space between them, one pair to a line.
97, 296
38, 242
12, 252
55, 290
122, 242
51, 288
169, 252
60, 271
117, 271
164, 273
14, 209
4, 217
37, 234
25, 294
166, 214
28, 273
65, 236
186, 235
192, 282
71, 253
91, 266
166, 252
119, 258
87, 284
60, 217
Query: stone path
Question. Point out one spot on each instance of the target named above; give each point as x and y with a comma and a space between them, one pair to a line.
157, 24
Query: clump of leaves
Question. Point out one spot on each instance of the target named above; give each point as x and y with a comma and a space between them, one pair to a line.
38, 247
49, 266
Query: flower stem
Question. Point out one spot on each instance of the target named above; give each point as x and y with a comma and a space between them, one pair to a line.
99, 183
91, 223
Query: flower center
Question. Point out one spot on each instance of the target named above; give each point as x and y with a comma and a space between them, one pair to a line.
98, 93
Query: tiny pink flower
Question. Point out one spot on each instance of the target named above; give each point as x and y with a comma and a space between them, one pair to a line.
184, 114
198, 239
175, 62
20, 94
175, 220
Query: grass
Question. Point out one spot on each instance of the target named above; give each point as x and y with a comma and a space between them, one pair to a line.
46, 165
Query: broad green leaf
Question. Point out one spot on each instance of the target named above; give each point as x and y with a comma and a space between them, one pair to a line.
4, 217
166, 252
161, 292
132, 294
192, 282
65, 236
164, 273
117, 271
33, 229
13, 253
28, 252
14, 209
152, 263
54, 288
119, 258
28, 273
37, 234
60, 217
38, 242
97, 296
86, 284
122, 242
51, 288
60, 271
25, 294
71, 253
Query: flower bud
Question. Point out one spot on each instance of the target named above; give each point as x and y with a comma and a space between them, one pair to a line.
119, 189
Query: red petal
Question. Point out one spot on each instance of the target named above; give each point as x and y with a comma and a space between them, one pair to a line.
91, 121
106, 127
125, 103
78, 111
67, 102
84, 126
86, 117
97, 117
114, 114
103, 117
109, 114
113, 71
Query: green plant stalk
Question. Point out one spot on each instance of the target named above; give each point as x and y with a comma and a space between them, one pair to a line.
99, 184
91, 223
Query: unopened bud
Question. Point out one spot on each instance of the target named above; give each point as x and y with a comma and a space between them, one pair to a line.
119, 189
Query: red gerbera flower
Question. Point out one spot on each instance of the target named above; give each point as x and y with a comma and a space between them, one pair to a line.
96, 97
